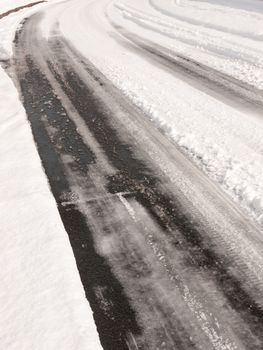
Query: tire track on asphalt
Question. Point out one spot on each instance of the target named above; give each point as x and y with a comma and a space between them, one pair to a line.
144, 187
76, 180
53, 132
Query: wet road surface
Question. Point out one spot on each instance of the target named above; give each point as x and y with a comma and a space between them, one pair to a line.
166, 260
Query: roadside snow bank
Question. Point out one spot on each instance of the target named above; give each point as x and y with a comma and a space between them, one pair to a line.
19, 8
7, 5
222, 141
42, 301
9, 24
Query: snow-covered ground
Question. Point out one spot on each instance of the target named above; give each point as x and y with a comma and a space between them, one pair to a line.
7, 5
42, 301
225, 36
224, 140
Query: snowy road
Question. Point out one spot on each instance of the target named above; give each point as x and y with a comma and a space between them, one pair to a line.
166, 259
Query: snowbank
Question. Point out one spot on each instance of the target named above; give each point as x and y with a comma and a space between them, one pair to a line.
42, 301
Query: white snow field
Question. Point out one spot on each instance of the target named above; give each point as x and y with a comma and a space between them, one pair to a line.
7, 5
42, 301
223, 137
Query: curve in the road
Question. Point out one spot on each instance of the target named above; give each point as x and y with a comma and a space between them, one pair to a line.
151, 265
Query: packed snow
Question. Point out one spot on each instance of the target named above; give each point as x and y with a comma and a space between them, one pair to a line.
42, 301
224, 36
222, 139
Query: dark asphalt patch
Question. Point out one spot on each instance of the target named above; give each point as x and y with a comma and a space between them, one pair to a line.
44, 111
135, 177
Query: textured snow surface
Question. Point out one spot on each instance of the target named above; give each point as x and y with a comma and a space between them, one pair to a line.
42, 301
225, 36
226, 142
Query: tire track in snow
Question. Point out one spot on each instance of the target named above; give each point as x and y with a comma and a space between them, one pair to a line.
196, 300
231, 90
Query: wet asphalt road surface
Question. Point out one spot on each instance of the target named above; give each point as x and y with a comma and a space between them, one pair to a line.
166, 260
